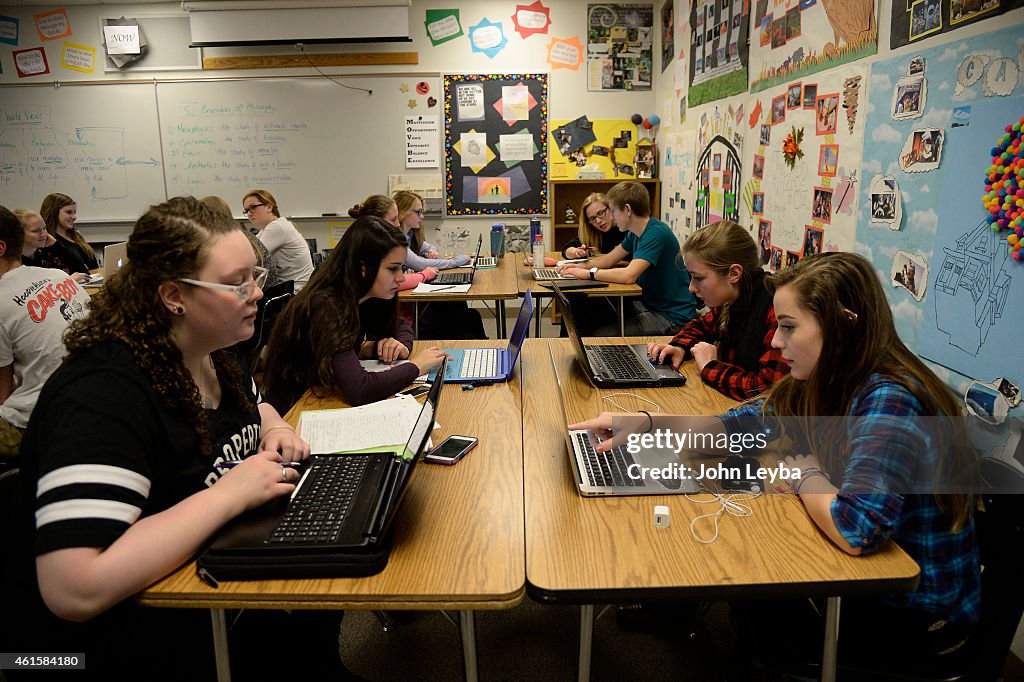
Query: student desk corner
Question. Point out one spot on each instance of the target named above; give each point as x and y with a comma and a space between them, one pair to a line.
496, 284
605, 550
526, 282
459, 537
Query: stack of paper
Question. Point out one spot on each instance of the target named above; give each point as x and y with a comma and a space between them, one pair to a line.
375, 427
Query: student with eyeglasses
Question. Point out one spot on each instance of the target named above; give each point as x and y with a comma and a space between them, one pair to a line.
422, 254
121, 476
441, 319
385, 208
597, 232
286, 244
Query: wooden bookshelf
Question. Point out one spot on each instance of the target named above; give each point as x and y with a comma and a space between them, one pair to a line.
573, 192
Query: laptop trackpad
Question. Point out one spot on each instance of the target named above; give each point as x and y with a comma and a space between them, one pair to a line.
663, 468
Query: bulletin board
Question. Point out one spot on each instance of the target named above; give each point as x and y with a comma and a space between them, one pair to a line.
802, 162
487, 170
919, 19
932, 154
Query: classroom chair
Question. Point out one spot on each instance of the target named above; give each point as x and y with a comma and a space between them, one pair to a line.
265, 315
999, 524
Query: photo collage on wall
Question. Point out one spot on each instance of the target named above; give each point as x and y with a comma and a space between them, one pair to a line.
620, 41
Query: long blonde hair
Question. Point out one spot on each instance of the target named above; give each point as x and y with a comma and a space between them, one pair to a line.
405, 201
589, 234
719, 246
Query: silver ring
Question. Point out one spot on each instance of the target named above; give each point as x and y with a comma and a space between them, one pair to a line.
284, 474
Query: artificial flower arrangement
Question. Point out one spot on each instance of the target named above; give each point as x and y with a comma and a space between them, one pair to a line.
791, 147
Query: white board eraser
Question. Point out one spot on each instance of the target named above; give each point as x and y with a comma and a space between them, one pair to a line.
661, 516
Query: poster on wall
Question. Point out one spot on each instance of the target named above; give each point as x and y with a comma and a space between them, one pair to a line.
620, 46
718, 50
917, 19
804, 170
964, 320
677, 182
496, 144
718, 166
794, 39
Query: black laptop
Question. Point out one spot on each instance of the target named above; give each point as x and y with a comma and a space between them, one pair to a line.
456, 278
335, 523
622, 366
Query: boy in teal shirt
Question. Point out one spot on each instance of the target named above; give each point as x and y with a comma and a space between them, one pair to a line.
666, 304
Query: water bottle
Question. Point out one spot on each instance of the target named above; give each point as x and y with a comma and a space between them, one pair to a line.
538, 251
498, 240
535, 230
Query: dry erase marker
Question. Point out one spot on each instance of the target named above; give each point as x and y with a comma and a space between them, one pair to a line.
235, 462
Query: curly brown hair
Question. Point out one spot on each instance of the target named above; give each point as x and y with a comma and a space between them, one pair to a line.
170, 241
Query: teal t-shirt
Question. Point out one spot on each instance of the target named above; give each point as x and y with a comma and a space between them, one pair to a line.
666, 283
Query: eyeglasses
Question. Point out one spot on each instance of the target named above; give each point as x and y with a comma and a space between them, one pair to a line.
600, 214
418, 211
243, 290
249, 209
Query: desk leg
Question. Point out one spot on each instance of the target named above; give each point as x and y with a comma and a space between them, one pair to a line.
499, 311
467, 622
416, 319
220, 644
586, 640
828, 655
622, 315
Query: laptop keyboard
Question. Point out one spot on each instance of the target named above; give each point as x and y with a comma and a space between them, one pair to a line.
608, 468
452, 278
319, 510
486, 262
479, 362
621, 362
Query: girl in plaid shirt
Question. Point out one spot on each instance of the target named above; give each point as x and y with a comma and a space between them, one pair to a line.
732, 343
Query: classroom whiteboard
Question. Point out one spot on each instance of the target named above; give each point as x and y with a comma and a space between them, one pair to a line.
98, 144
317, 147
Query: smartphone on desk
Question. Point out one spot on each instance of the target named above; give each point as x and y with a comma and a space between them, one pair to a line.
451, 450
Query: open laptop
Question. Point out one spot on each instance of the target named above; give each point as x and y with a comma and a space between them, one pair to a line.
342, 502
622, 366
490, 364
461, 277
114, 258
548, 274
608, 473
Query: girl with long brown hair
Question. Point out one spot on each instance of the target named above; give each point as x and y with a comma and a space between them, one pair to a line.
731, 343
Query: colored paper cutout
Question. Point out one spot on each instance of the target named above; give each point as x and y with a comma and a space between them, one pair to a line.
487, 37
494, 190
30, 62
515, 102
53, 25
519, 146
78, 57
473, 150
565, 53
442, 25
9, 30
531, 19
499, 106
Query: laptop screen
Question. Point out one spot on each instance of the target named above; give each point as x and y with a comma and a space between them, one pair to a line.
570, 328
522, 327
479, 244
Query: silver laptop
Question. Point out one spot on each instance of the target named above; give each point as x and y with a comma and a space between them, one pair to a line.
114, 258
619, 472
548, 274
457, 278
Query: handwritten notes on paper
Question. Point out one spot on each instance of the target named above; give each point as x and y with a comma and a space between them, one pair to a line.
122, 39
516, 147
385, 423
442, 25
421, 141
53, 25
78, 57
9, 30
565, 54
30, 62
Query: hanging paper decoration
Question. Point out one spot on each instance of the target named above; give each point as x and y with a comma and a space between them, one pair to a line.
1004, 189
530, 19
565, 53
487, 37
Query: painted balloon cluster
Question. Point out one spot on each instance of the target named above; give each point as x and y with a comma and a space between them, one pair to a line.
1004, 188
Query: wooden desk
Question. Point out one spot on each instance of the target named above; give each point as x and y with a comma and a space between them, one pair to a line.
459, 537
526, 282
597, 550
490, 284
